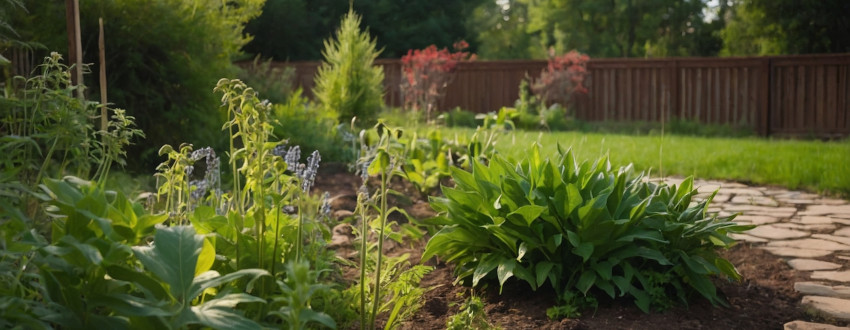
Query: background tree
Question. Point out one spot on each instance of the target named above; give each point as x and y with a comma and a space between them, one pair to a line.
294, 29
764, 27
617, 28
163, 57
501, 27
348, 84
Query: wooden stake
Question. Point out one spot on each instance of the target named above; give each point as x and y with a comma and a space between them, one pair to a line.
101, 46
75, 45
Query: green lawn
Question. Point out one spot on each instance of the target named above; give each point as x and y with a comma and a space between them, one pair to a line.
812, 165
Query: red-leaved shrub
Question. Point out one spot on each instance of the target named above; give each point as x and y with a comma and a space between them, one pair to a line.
562, 78
427, 72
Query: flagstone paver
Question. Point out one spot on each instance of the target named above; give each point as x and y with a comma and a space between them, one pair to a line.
748, 238
811, 219
741, 191
828, 307
797, 253
837, 276
821, 289
773, 232
756, 219
843, 232
811, 243
754, 200
803, 325
840, 239
812, 264
819, 227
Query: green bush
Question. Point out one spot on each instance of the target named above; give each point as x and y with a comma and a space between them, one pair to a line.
583, 229
348, 84
458, 118
273, 83
162, 56
555, 118
302, 124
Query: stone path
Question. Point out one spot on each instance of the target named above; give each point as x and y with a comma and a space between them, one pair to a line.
806, 229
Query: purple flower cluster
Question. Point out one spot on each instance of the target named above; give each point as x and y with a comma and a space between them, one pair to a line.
308, 175
212, 174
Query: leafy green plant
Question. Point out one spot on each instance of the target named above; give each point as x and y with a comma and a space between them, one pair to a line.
48, 128
92, 280
470, 316
394, 284
458, 117
304, 124
348, 84
579, 227
297, 290
427, 161
162, 56
174, 259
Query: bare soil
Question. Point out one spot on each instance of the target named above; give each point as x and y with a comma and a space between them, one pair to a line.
764, 299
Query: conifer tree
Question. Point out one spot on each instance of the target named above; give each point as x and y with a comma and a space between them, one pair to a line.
348, 84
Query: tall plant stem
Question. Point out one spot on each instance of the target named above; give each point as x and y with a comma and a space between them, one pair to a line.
276, 207
364, 245
235, 194
299, 239
383, 212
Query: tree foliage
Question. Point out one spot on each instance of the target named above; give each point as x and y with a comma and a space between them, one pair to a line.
764, 27
162, 58
294, 29
619, 28
347, 83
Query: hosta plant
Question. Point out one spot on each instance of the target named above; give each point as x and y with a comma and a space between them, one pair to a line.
582, 229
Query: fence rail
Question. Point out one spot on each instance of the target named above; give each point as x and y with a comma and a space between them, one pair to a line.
777, 95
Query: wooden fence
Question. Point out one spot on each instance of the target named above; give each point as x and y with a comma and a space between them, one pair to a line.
779, 95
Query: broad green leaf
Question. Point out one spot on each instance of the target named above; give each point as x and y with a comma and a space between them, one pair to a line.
585, 281
91, 253
529, 213
646, 235
604, 269
211, 279
573, 199
129, 305
622, 284
325, 319
542, 270
523, 248
220, 313
524, 274
206, 258
573, 238
173, 258
463, 179
485, 266
506, 236
727, 268
380, 163
505, 271
704, 286
693, 264
584, 250
606, 286
140, 278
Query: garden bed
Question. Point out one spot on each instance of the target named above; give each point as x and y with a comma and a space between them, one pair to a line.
764, 299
